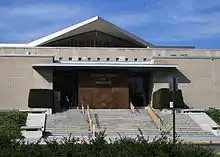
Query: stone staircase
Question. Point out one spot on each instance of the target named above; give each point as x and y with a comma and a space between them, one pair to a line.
125, 123
69, 122
185, 125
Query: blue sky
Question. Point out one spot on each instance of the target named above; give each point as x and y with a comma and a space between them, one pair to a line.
160, 22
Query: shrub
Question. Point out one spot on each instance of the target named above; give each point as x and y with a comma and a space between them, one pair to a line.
162, 98
11, 122
41, 98
123, 146
214, 114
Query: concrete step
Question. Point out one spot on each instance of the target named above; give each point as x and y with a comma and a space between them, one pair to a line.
125, 123
71, 121
185, 125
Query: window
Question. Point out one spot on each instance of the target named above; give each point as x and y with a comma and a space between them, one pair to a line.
60, 58
108, 59
98, 59
70, 58
89, 59
126, 59
80, 58
117, 59
144, 59
135, 59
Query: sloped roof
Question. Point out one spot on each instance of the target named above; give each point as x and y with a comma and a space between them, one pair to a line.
95, 23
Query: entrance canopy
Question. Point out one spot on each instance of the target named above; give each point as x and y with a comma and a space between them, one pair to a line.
103, 64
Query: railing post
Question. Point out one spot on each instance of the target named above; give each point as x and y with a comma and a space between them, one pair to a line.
90, 120
132, 108
93, 130
83, 109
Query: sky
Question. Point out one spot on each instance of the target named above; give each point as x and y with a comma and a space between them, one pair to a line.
160, 22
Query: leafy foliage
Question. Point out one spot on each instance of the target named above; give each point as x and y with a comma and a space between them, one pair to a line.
10, 124
99, 146
214, 114
162, 146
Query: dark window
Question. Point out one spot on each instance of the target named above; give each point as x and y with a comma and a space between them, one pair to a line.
107, 59
126, 59
70, 58
117, 59
80, 58
135, 59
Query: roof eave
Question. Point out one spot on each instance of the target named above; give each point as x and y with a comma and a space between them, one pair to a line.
47, 38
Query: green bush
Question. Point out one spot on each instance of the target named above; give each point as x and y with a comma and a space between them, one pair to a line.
98, 147
11, 122
162, 98
40, 98
214, 114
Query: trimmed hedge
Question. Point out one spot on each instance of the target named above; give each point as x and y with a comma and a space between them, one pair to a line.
41, 98
98, 147
11, 122
162, 98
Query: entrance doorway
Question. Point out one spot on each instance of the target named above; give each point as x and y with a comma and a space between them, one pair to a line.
139, 85
66, 83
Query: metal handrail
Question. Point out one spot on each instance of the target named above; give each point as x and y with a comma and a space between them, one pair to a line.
91, 126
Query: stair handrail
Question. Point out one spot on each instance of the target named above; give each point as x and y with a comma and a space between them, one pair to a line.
156, 119
90, 120
132, 108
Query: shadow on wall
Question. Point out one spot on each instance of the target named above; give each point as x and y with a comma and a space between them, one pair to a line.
181, 77
165, 76
45, 72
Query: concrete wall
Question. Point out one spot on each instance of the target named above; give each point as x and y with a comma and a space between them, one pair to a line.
17, 77
74, 53
112, 53
199, 80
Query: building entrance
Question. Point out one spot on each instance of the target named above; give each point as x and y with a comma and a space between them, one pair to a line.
66, 83
101, 89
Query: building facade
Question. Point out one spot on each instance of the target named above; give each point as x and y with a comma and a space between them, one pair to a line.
99, 64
